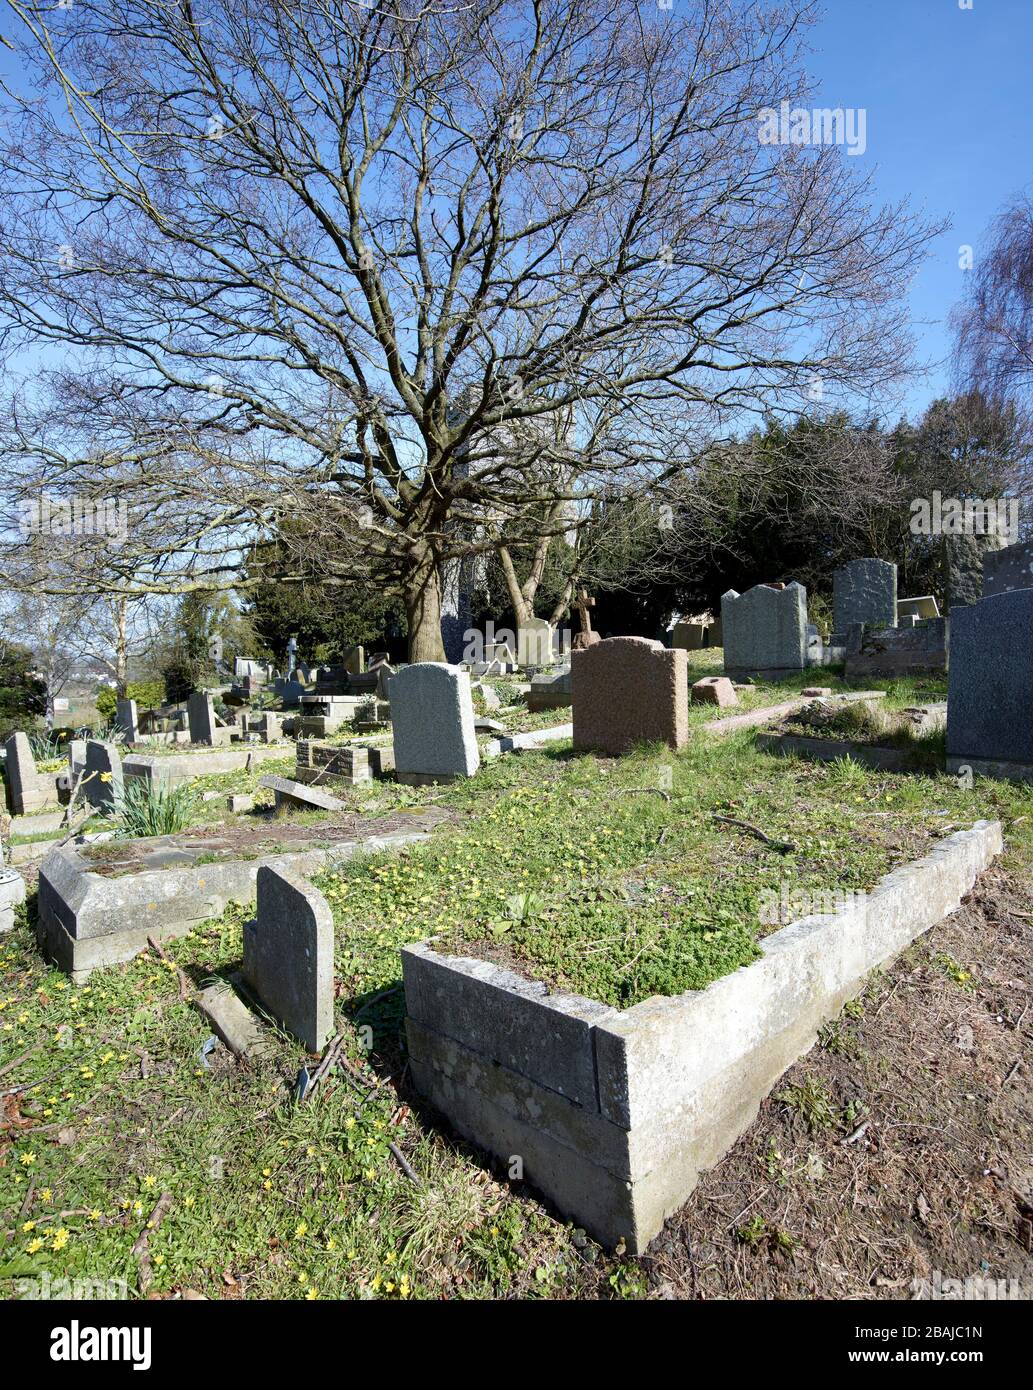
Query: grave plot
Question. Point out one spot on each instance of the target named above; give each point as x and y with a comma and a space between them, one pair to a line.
895, 736
556, 867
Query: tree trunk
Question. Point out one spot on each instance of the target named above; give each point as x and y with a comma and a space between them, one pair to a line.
423, 608
523, 608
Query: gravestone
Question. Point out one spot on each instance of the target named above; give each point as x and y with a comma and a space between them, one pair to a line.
287, 792
689, 635
201, 717
629, 690
962, 567
270, 726
864, 591
990, 686
534, 643
355, 660
103, 782
432, 723
765, 630
1008, 569
915, 650
27, 790
127, 720
551, 691
289, 955
76, 755
714, 690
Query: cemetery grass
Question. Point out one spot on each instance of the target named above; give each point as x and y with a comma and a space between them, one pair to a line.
552, 863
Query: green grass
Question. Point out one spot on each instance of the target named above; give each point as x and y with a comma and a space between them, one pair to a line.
554, 860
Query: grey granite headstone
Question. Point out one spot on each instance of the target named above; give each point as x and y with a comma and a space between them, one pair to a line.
201, 717
990, 686
76, 755
864, 591
765, 630
1008, 569
432, 723
26, 788
103, 760
289, 955
963, 558
127, 719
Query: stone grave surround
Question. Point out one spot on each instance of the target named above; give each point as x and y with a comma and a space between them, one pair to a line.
864, 591
629, 690
289, 955
990, 687
432, 723
1008, 569
551, 691
765, 630
616, 1112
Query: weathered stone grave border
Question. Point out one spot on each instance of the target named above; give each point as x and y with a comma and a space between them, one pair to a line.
614, 1114
88, 920
174, 769
882, 757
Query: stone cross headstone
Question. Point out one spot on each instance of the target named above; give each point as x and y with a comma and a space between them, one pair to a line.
27, 790
765, 630
127, 720
289, 955
292, 652
629, 690
432, 723
990, 686
864, 591
103, 781
586, 637
201, 717
1008, 569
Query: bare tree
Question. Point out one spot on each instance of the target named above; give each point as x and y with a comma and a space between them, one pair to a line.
994, 324
327, 262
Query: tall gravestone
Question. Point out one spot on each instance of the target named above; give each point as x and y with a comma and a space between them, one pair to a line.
990, 686
962, 567
864, 591
765, 630
629, 690
127, 719
103, 781
27, 790
432, 723
289, 955
1008, 569
534, 643
201, 718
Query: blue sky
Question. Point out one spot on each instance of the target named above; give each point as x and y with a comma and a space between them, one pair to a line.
949, 100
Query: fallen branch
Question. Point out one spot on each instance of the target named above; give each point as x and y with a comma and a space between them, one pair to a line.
185, 987
402, 1162
141, 1248
326, 1062
783, 846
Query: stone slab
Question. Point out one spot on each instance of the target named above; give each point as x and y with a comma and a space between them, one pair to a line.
1007, 570
765, 630
289, 955
864, 591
